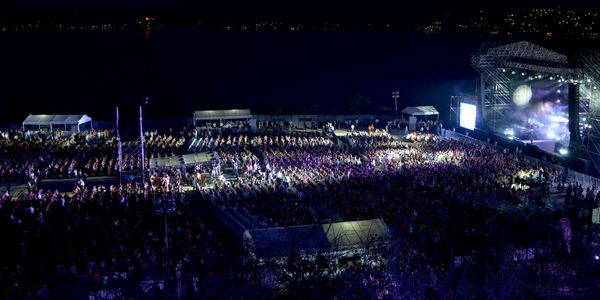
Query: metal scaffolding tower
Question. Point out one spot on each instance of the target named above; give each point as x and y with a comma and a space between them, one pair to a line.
587, 64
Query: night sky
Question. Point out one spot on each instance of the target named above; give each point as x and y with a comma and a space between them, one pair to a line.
310, 8
183, 70
91, 72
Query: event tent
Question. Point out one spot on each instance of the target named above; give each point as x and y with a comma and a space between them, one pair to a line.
330, 237
421, 111
221, 115
60, 122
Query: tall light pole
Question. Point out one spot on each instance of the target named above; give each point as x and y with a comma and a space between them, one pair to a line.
396, 95
144, 102
142, 145
119, 150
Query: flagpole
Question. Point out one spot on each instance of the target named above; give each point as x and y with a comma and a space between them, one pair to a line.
142, 144
119, 150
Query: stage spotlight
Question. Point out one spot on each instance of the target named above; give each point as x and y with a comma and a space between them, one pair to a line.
558, 91
551, 135
563, 151
522, 95
559, 119
522, 74
589, 81
509, 132
596, 257
551, 78
513, 72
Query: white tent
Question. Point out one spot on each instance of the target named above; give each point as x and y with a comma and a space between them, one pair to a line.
421, 111
61, 122
220, 115
330, 237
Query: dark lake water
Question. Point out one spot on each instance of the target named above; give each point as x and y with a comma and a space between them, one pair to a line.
183, 70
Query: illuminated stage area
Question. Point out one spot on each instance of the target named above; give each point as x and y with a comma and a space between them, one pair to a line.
539, 113
525, 94
537, 96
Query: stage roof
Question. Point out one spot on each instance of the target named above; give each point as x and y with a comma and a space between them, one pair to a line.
528, 50
420, 111
222, 114
56, 120
282, 241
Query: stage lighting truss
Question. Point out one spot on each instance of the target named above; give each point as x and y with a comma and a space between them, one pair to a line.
588, 75
498, 64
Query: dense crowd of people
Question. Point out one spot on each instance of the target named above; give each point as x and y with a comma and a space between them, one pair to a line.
305, 166
58, 154
226, 127
53, 154
377, 139
105, 238
442, 197
431, 191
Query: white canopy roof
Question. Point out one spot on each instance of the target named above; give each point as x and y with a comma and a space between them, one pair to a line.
282, 241
420, 111
47, 120
222, 114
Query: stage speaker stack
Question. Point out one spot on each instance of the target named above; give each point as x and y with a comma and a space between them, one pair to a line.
574, 133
